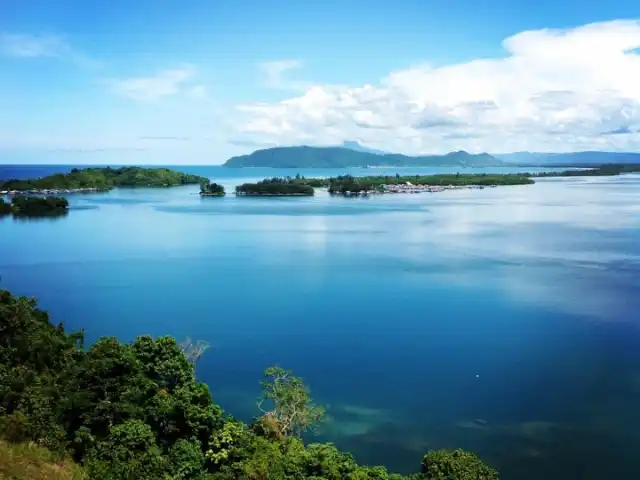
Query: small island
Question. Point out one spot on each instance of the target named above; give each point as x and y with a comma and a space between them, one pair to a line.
208, 189
276, 187
23, 206
99, 180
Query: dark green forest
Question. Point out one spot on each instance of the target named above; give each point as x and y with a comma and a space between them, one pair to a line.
104, 179
24, 206
345, 183
276, 187
135, 411
208, 188
600, 171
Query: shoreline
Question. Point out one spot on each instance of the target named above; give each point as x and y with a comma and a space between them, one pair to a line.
53, 191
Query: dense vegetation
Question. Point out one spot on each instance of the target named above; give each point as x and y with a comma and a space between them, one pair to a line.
135, 411
348, 183
211, 189
275, 187
600, 171
569, 159
339, 157
103, 179
24, 206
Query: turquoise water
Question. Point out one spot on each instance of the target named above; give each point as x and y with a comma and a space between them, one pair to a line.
500, 320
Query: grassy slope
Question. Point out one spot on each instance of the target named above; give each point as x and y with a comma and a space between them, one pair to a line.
27, 461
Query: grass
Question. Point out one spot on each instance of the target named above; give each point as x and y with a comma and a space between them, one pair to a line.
27, 461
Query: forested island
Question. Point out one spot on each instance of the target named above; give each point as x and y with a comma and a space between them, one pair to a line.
347, 184
599, 171
276, 187
209, 189
24, 206
100, 179
125, 411
340, 157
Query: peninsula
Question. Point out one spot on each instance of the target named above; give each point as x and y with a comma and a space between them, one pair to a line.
276, 187
99, 179
208, 189
23, 206
340, 157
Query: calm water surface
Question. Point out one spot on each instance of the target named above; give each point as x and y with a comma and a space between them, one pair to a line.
502, 320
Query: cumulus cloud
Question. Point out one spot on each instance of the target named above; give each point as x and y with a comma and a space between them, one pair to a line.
163, 84
554, 90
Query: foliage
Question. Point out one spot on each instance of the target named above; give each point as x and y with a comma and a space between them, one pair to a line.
292, 411
22, 205
211, 189
103, 179
339, 157
349, 183
601, 171
275, 187
455, 465
128, 411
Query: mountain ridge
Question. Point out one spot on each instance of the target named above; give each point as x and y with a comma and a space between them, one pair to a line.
340, 157
352, 154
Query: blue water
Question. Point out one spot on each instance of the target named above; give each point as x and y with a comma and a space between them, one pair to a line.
501, 320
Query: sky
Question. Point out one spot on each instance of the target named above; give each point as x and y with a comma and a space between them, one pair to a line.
198, 81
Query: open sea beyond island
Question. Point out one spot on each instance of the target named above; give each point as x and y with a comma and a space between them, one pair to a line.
503, 321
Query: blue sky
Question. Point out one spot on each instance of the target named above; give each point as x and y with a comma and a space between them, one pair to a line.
197, 81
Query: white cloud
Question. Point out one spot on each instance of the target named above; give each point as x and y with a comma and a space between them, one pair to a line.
555, 90
274, 74
30, 46
165, 83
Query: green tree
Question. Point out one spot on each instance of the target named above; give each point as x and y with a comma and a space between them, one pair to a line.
456, 465
291, 410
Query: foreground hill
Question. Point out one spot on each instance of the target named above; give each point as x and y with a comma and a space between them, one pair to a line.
339, 157
135, 411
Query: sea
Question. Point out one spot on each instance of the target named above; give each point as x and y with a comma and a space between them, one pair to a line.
504, 320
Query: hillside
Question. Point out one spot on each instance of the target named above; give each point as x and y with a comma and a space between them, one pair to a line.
27, 461
340, 157
360, 148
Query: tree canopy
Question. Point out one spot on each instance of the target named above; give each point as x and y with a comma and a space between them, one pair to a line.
27, 206
134, 411
211, 189
276, 187
103, 179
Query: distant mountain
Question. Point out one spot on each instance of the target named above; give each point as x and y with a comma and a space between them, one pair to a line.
575, 158
360, 148
340, 157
